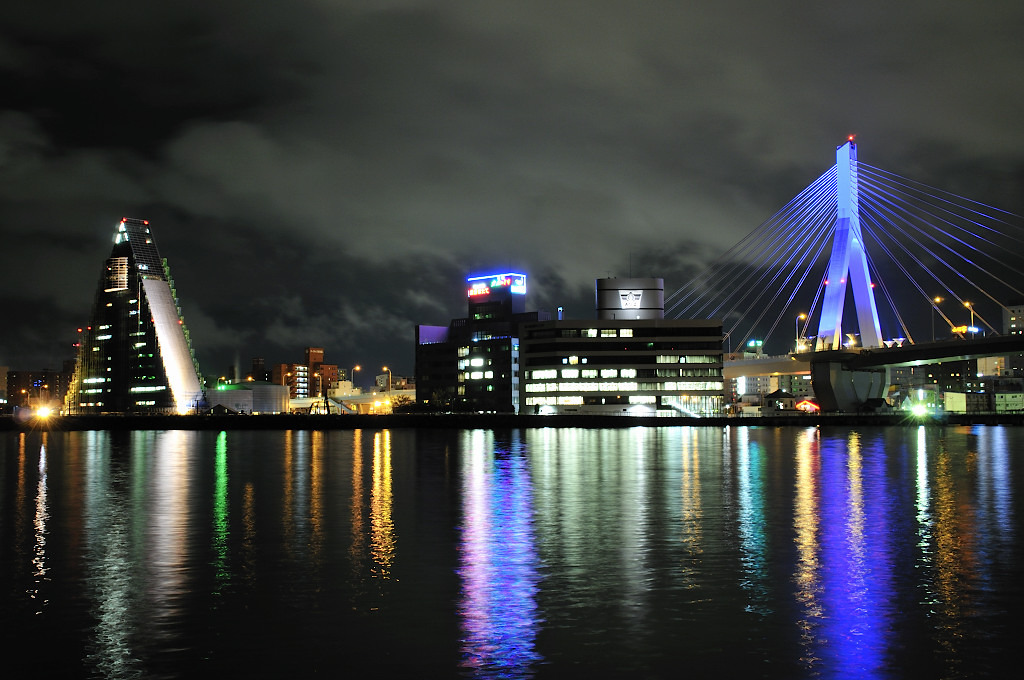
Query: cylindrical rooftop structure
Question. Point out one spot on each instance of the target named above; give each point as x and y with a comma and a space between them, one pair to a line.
630, 298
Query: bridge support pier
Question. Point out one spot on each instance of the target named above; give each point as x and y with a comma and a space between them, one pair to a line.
839, 388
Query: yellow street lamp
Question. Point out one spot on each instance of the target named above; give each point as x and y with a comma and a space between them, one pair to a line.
935, 302
799, 318
970, 306
352, 375
385, 368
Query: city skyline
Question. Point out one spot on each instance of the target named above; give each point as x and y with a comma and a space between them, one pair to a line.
329, 174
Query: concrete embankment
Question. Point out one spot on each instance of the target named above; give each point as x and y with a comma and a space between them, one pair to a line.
476, 421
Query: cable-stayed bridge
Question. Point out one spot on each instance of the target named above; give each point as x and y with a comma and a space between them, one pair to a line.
897, 249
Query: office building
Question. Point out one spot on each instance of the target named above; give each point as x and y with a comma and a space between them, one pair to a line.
135, 356
629, 361
473, 363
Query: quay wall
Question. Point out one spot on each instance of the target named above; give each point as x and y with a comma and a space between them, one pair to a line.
477, 421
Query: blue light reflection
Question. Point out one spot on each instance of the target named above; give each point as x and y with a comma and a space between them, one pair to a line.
498, 562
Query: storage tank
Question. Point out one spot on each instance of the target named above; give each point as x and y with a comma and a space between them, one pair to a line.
630, 298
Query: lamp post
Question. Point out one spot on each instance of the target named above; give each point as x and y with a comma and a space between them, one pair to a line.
935, 301
970, 306
352, 375
385, 368
799, 318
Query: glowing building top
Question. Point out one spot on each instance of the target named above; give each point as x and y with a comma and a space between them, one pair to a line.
513, 283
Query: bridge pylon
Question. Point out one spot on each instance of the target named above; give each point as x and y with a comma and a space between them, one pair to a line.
848, 262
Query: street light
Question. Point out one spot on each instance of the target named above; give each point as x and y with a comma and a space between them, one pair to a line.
798, 320
385, 368
970, 306
935, 302
352, 376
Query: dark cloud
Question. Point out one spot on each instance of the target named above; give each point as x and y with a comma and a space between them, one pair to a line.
327, 172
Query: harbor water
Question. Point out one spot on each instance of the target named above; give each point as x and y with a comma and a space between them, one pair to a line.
647, 552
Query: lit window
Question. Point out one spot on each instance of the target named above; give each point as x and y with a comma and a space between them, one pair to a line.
607, 332
625, 332
570, 373
609, 373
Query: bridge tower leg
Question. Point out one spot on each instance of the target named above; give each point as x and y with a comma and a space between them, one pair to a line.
848, 261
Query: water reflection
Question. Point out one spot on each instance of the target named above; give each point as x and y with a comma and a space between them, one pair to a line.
753, 539
857, 560
498, 563
738, 551
382, 523
221, 526
805, 524
39, 523
111, 576
955, 560
357, 532
691, 519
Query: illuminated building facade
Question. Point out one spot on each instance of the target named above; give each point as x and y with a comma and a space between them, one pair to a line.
136, 355
629, 361
322, 377
473, 363
31, 389
1013, 324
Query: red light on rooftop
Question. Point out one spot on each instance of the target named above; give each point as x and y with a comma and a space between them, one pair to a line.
850, 138
145, 221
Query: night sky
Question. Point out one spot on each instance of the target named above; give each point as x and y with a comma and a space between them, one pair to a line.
328, 172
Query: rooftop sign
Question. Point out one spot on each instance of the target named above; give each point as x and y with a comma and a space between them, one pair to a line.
483, 285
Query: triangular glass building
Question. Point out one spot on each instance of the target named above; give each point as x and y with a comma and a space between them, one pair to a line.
135, 356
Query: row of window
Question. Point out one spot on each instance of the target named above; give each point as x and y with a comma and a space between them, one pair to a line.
628, 346
476, 375
648, 332
575, 373
627, 386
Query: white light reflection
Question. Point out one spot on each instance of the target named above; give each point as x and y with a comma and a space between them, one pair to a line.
111, 581
170, 525
41, 517
691, 511
923, 500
